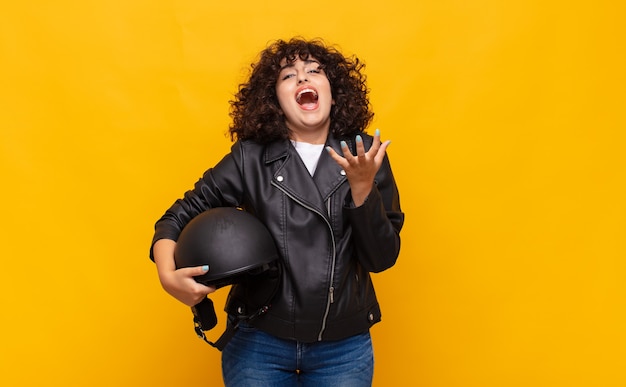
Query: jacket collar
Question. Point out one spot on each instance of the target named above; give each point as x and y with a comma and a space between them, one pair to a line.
276, 150
292, 176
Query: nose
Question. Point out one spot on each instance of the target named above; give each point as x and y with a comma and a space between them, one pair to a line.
302, 78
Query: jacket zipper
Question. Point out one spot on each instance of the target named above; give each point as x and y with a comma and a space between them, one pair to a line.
331, 290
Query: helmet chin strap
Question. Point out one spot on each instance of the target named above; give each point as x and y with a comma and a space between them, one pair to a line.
204, 319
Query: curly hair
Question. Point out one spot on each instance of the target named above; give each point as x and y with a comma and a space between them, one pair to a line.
255, 111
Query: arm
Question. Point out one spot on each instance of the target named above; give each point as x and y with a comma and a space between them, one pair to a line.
376, 226
208, 192
376, 217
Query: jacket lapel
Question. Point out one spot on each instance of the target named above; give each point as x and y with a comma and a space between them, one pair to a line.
292, 177
329, 175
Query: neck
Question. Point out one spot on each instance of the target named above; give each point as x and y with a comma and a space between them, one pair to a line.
318, 137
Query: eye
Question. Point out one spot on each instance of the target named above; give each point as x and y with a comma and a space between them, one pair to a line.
287, 76
315, 70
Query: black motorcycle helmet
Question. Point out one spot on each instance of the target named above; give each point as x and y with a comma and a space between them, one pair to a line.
231, 242
239, 251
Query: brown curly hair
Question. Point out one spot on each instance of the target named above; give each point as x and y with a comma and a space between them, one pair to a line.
256, 114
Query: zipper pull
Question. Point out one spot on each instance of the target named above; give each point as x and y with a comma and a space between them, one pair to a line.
332, 298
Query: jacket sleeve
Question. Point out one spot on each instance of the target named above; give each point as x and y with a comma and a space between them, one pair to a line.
220, 186
376, 224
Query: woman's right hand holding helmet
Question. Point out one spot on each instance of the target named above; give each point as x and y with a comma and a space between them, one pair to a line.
180, 283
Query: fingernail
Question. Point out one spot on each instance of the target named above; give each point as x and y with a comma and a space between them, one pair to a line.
343, 144
358, 138
328, 149
205, 268
378, 132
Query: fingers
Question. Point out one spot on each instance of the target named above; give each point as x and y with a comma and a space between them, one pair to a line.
376, 143
346, 150
335, 156
376, 151
379, 148
194, 271
382, 149
185, 288
360, 148
191, 272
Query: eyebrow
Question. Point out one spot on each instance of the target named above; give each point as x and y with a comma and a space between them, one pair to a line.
306, 62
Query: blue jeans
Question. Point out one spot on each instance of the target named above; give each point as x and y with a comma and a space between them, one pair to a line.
255, 358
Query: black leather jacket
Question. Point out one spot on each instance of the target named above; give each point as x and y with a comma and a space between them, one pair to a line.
329, 247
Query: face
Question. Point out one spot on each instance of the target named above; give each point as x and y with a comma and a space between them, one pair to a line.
305, 98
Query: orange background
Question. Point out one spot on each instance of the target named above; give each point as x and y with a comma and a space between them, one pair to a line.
507, 126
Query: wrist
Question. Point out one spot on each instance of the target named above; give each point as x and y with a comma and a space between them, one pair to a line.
360, 197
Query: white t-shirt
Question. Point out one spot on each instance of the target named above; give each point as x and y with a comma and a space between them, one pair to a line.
309, 153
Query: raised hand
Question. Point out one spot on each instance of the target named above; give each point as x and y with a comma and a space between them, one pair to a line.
361, 168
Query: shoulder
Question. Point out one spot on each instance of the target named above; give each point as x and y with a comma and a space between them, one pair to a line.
247, 147
250, 149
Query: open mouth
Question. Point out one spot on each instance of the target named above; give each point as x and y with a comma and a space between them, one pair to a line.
307, 97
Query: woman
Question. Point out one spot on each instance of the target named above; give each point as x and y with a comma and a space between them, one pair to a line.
303, 165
